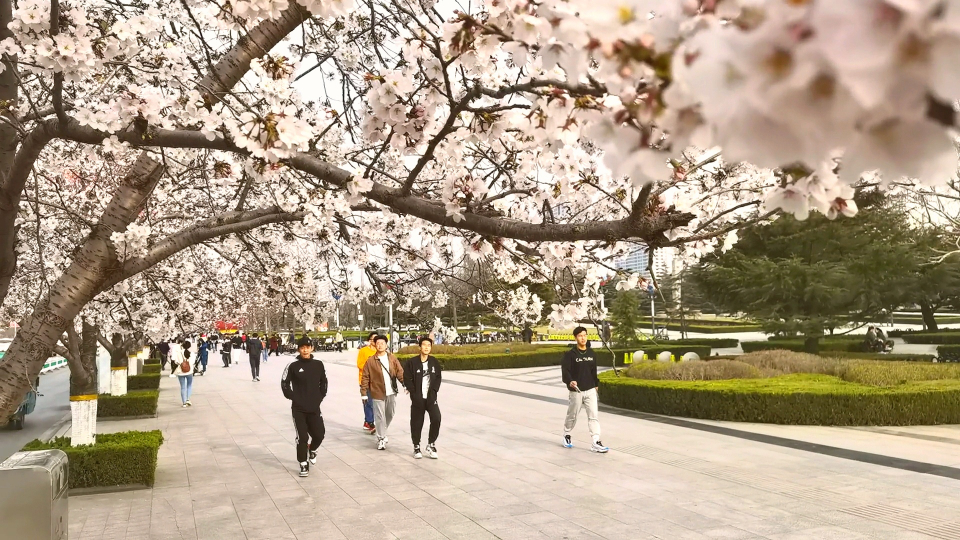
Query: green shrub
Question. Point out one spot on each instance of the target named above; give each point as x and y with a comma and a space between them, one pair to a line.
896, 373
948, 353
716, 343
693, 371
547, 357
149, 368
146, 381
792, 399
484, 348
889, 357
678, 350
796, 345
117, 459
933, 338
136, 403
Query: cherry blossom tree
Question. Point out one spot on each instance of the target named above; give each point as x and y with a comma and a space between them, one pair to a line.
148, 148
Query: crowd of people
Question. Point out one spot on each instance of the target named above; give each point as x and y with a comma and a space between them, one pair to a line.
381, 376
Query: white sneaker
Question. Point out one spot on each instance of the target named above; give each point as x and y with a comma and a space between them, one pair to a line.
567, 441
382, 444
432, 451
416, 452
184, 405
313, 457
304, 470
599, 447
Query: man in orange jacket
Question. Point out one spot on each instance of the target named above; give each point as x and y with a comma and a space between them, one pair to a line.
365, 354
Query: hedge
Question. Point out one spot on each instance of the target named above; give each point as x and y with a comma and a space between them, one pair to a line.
549, 357
117, 459
948, 353
799, 399
149, 368
880, 356
146, 381
135, 403
832, 345
932, 338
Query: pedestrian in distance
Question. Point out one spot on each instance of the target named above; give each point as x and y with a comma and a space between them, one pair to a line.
338, 339
263, 348
254, 351
421, 377
184, 372
272, 343
225, 352
164, 348
203, 351
381, 375
304, 383
578, 369
363, 355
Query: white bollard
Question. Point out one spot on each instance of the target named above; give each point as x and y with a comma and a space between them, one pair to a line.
664, 356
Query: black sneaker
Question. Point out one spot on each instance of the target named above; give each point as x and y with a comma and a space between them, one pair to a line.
304, 469
416, 452
313, 457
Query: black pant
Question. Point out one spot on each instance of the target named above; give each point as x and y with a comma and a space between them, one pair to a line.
308, 424
163, 361
417, 408
255, 366
225, 355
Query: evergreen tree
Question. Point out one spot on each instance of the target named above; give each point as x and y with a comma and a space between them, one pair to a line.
625, 315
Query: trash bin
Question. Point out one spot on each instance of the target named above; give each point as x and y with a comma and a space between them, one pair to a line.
33, 495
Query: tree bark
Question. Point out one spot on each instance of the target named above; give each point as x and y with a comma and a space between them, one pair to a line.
92, 265
84, 387
811, 344
929, 320
9, 94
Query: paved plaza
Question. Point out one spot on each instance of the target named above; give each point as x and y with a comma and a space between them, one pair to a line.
227, 470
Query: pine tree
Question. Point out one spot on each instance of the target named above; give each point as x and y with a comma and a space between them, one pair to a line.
625, 315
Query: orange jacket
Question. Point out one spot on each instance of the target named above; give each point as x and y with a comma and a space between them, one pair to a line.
366, 352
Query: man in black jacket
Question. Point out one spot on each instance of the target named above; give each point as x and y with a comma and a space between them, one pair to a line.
579, 371
421, 378
304, 382
255, 350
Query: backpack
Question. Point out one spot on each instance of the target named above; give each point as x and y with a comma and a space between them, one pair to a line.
185, 366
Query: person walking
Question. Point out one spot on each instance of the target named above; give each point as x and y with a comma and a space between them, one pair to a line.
184, 372
263, 348
203, 351
225, 353
304, 383
272, 343
338, 340
381, 373
578, 369
421, 377
254, 352
363, 355
164, 348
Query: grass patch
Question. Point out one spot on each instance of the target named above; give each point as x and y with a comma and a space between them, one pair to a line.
116, 459
135, 403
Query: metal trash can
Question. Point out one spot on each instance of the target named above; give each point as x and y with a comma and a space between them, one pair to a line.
33, 495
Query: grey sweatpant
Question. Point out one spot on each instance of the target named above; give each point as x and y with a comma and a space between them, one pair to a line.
587, 400
383, 414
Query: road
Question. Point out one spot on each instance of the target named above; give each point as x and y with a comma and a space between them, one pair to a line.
51, 407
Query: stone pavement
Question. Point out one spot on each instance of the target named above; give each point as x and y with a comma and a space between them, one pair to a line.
227, 470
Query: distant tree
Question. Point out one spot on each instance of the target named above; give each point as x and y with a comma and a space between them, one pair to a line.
625, 315
803, 277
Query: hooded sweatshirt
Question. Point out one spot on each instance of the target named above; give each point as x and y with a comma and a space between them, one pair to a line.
304, 382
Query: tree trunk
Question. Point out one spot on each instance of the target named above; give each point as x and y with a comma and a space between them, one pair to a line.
118, 366
84, 387
9, 94
811, 344
92, 265
929, 320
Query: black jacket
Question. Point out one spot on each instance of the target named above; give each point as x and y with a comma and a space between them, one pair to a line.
304, 382
580, 366
413, 377
254, 347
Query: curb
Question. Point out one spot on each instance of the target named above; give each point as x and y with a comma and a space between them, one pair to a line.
57, 429
79, 492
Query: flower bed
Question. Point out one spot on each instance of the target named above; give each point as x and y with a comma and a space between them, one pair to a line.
117, 459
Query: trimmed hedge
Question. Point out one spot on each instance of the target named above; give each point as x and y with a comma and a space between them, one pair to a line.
149, 368
932, 338
146, 381
548, 357
831, 345
135, 403
791, 399
880, 356
117, 459
948, 353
